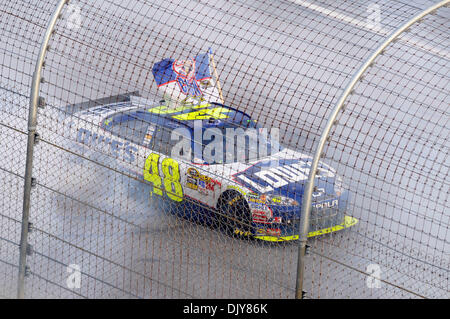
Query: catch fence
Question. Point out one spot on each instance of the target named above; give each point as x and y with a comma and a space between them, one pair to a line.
362, 86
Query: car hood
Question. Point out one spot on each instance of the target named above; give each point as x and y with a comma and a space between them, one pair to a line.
284, 173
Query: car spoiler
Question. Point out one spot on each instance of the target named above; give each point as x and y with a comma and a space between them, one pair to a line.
124, 97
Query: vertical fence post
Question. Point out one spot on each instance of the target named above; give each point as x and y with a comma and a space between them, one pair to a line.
309, 186
32, 121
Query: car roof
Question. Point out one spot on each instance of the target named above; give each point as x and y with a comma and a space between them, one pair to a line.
211, 114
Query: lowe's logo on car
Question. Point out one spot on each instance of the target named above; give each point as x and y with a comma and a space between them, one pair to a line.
117, 148
273, 174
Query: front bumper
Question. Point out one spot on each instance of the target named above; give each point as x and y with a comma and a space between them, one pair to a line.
327, 216
347, 222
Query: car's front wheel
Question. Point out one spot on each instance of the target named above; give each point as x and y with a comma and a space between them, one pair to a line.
234, 215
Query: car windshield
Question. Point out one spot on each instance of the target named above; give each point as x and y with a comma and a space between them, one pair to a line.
238, 144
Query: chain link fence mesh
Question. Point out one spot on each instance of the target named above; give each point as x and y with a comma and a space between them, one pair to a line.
285, 63
22, 25
390, 147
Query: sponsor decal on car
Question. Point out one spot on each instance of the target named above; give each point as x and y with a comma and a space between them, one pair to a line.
257, 206
149, 134
236, 188
256, 200
261, 216
270, 231
117, 148
202, 183
269, 175
192, 183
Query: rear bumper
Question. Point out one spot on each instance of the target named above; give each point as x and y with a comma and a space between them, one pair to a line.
347, 222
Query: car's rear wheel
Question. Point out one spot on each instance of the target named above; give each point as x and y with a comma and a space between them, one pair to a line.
234, 215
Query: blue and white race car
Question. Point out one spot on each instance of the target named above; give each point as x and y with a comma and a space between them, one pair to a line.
252, 197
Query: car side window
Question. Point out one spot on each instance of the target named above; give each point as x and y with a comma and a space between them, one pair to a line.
163, 142
127, 127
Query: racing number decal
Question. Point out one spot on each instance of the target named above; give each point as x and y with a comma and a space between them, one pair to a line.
165, 110
171, 172
204, 112
215, 113
151, 173
171, 176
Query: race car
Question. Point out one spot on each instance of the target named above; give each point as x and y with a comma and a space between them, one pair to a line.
251, 196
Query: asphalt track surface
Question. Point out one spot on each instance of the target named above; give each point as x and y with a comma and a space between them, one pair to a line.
101, 220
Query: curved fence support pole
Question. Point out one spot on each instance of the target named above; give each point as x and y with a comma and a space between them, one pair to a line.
32, 121
307, 195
